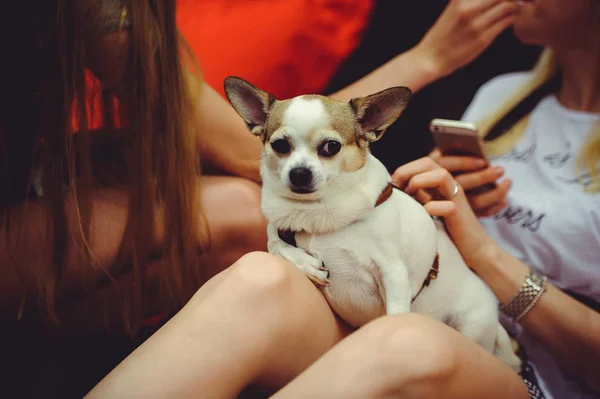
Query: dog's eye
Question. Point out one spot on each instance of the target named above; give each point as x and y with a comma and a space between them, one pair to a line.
281, 146
330, 148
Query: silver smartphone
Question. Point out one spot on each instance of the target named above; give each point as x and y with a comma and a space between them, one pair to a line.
459, 138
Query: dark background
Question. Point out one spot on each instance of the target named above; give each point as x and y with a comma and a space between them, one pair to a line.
398, 25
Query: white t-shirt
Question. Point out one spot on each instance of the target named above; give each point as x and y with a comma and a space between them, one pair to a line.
550, 223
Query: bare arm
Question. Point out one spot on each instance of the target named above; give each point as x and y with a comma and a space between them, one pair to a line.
568, 329
223, 138
461, 33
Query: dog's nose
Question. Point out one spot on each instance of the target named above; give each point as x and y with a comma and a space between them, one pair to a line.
301, 177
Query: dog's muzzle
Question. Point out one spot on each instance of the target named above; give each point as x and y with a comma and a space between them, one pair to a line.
301, 180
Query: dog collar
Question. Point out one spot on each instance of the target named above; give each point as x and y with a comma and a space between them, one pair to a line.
432, 275
289, 237
385, 194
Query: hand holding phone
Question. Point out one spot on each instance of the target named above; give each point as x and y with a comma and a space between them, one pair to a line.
462, 154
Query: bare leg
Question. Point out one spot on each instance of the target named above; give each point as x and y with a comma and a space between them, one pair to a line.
406, 356
259, 321
263, 322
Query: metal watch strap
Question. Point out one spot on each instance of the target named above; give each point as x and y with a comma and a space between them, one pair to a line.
530, 292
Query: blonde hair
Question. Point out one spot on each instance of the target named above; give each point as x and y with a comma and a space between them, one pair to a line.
544, 70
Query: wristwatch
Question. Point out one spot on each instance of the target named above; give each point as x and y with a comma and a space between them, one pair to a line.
530, 292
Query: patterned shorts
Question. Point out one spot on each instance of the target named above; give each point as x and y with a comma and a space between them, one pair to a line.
529, 378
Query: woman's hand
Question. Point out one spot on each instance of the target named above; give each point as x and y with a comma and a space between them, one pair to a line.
472, 174
464, 30
434, 186
461, 33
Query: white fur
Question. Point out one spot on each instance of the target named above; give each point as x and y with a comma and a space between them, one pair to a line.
377, 258
305, 115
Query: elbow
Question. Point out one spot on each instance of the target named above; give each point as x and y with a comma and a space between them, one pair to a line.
587, 368
592, 376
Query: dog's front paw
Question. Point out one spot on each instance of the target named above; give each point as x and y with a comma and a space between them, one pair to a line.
315, 270
309, 264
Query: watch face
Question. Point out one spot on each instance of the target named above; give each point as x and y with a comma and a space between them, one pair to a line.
537, 280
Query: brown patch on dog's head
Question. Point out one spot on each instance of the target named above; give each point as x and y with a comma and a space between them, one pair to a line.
342, 119
275, 118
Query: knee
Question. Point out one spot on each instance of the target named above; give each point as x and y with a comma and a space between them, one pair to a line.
264, 287
260, 275
267, 285
257, 282
411, 354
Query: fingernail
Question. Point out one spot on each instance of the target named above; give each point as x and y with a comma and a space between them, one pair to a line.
479, 163
499, 171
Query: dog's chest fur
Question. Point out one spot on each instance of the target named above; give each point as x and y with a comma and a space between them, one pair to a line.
351, 254
355, 290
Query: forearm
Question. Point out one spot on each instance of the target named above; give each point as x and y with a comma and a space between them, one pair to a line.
569, 329
414, 68
224, 141
464, 30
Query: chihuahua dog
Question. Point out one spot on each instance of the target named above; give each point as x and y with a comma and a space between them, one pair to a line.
332, 212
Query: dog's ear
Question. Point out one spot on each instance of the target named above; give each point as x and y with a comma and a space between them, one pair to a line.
375, 113
251, 103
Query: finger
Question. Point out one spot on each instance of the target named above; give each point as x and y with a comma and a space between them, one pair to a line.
492, 197
494, 209
496, 13
435, 154
423, 196
492, 31
440, 208
469, 181
475, 7
461, 163
405, 172
439, 179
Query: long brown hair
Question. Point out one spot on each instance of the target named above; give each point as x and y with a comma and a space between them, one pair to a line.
44, 84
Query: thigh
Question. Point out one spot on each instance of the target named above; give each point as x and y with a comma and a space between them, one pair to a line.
259, 322
407, 356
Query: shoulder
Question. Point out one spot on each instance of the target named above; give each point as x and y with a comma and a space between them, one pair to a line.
493, 93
